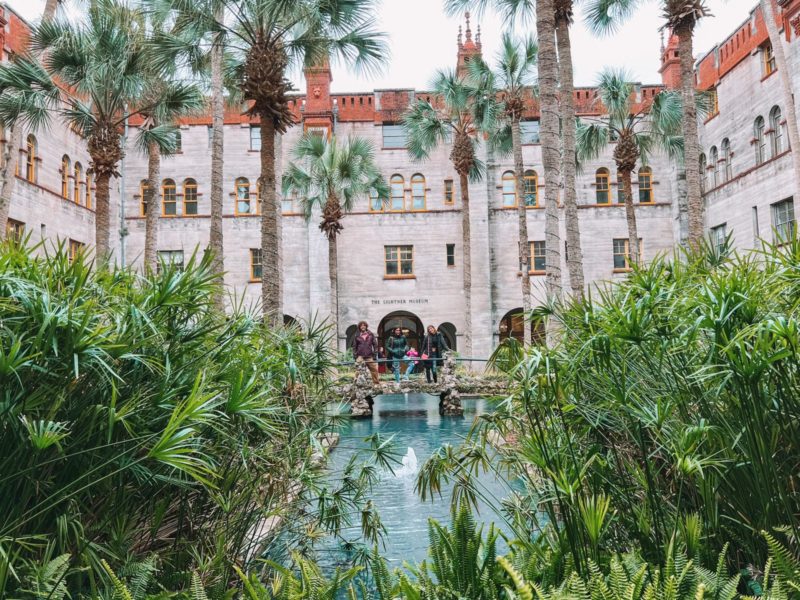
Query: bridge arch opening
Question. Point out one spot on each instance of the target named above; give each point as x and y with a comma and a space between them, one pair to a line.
410, 324
448, 330
513, 325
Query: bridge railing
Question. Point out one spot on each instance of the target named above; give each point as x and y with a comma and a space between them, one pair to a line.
414, 359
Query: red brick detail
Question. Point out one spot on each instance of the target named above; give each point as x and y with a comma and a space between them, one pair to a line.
671, 64
318, 109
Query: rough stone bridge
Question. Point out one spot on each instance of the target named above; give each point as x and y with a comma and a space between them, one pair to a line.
361, 393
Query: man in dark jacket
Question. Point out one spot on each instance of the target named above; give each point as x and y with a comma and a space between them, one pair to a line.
432, 348
365, 347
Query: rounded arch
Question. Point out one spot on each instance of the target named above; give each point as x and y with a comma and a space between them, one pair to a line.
350, 334
31, 156
646, 185
66, 167
169, 197
531, 185
448, 330
513, 325
776, 130
758, 137
509, 183
76, 184
713, 157
703, 168
727, 156
409, 322
602, 184
418, 194
290, 321
397, 192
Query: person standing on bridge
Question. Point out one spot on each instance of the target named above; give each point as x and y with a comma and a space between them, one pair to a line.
396, 348
365, 347
431, 350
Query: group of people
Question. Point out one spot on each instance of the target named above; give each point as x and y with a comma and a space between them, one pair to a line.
398, 351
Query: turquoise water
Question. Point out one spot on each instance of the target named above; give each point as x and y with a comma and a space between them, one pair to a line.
415, 423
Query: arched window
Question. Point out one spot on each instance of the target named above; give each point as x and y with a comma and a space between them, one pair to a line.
759, 141
143, 188
509, 189
727, 158
776, 131
77, 195
397, 193
602, 190
189, 197
244, 205
713, 156
703, 170
418, 192
31, 154
169, 198
531, 189
66, 190
88, 189
645, 185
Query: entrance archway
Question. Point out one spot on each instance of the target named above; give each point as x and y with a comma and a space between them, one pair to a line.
290, 321
513, 325
448, 330
350, 335
408, 322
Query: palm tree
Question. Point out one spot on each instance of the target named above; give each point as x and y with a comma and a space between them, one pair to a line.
510, 86
639, 129
10, 154
786, 76
522, 11
451, 116
332, 177
268, 37
93, 79
564, 19
157, 137
681, 18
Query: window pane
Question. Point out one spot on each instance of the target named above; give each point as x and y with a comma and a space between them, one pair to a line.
531, 188
397, 193
418, 193
509, 189
394, 136
255, 138
530, 132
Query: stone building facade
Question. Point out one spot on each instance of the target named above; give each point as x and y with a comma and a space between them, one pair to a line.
401, 263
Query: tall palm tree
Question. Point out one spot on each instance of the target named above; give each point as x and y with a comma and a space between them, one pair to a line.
510, 86
10, 157
157, 137
451, 116
332, 177
564, 19
787, 85
92, 79
681, 18
268, 37
521, 11
638, 128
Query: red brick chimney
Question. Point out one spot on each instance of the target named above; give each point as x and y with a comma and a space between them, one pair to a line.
318, 108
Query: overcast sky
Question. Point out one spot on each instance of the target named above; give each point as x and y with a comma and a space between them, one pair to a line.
422, 40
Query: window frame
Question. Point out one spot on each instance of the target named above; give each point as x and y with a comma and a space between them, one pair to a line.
759, 127
537, 250
75, 247
389, 128
170, 253
727, 158
626, 254
449, 192
703, 173
718, 234
776, 131
15, 230
509, 177
713, 157
76, 185
450, 253
190, 183
399, 259
376, 205
66, 168
88, 196
647, 172
256, 264
244, 183
394, 181
530, 175
252, 146
165, 186
31, 152
785, 228
768, 59
144, 185
602, 175
416, 179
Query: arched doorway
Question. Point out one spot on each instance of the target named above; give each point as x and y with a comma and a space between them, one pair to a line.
408, 322
448, 330
513, 325
350, 335
290, 321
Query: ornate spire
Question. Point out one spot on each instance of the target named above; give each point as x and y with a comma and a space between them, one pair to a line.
460, 42
662, 43
469, 31
478, 36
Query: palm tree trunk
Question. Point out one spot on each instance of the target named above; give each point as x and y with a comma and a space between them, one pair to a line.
522, 214
10, 158
333, 274
215, 241
102, 217
691, 158
271, 293
785, 74
151, 200
551, 155
630, 217
566, 76
463, 181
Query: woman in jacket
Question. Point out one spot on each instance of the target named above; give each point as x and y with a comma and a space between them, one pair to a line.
396, 348
433, 347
